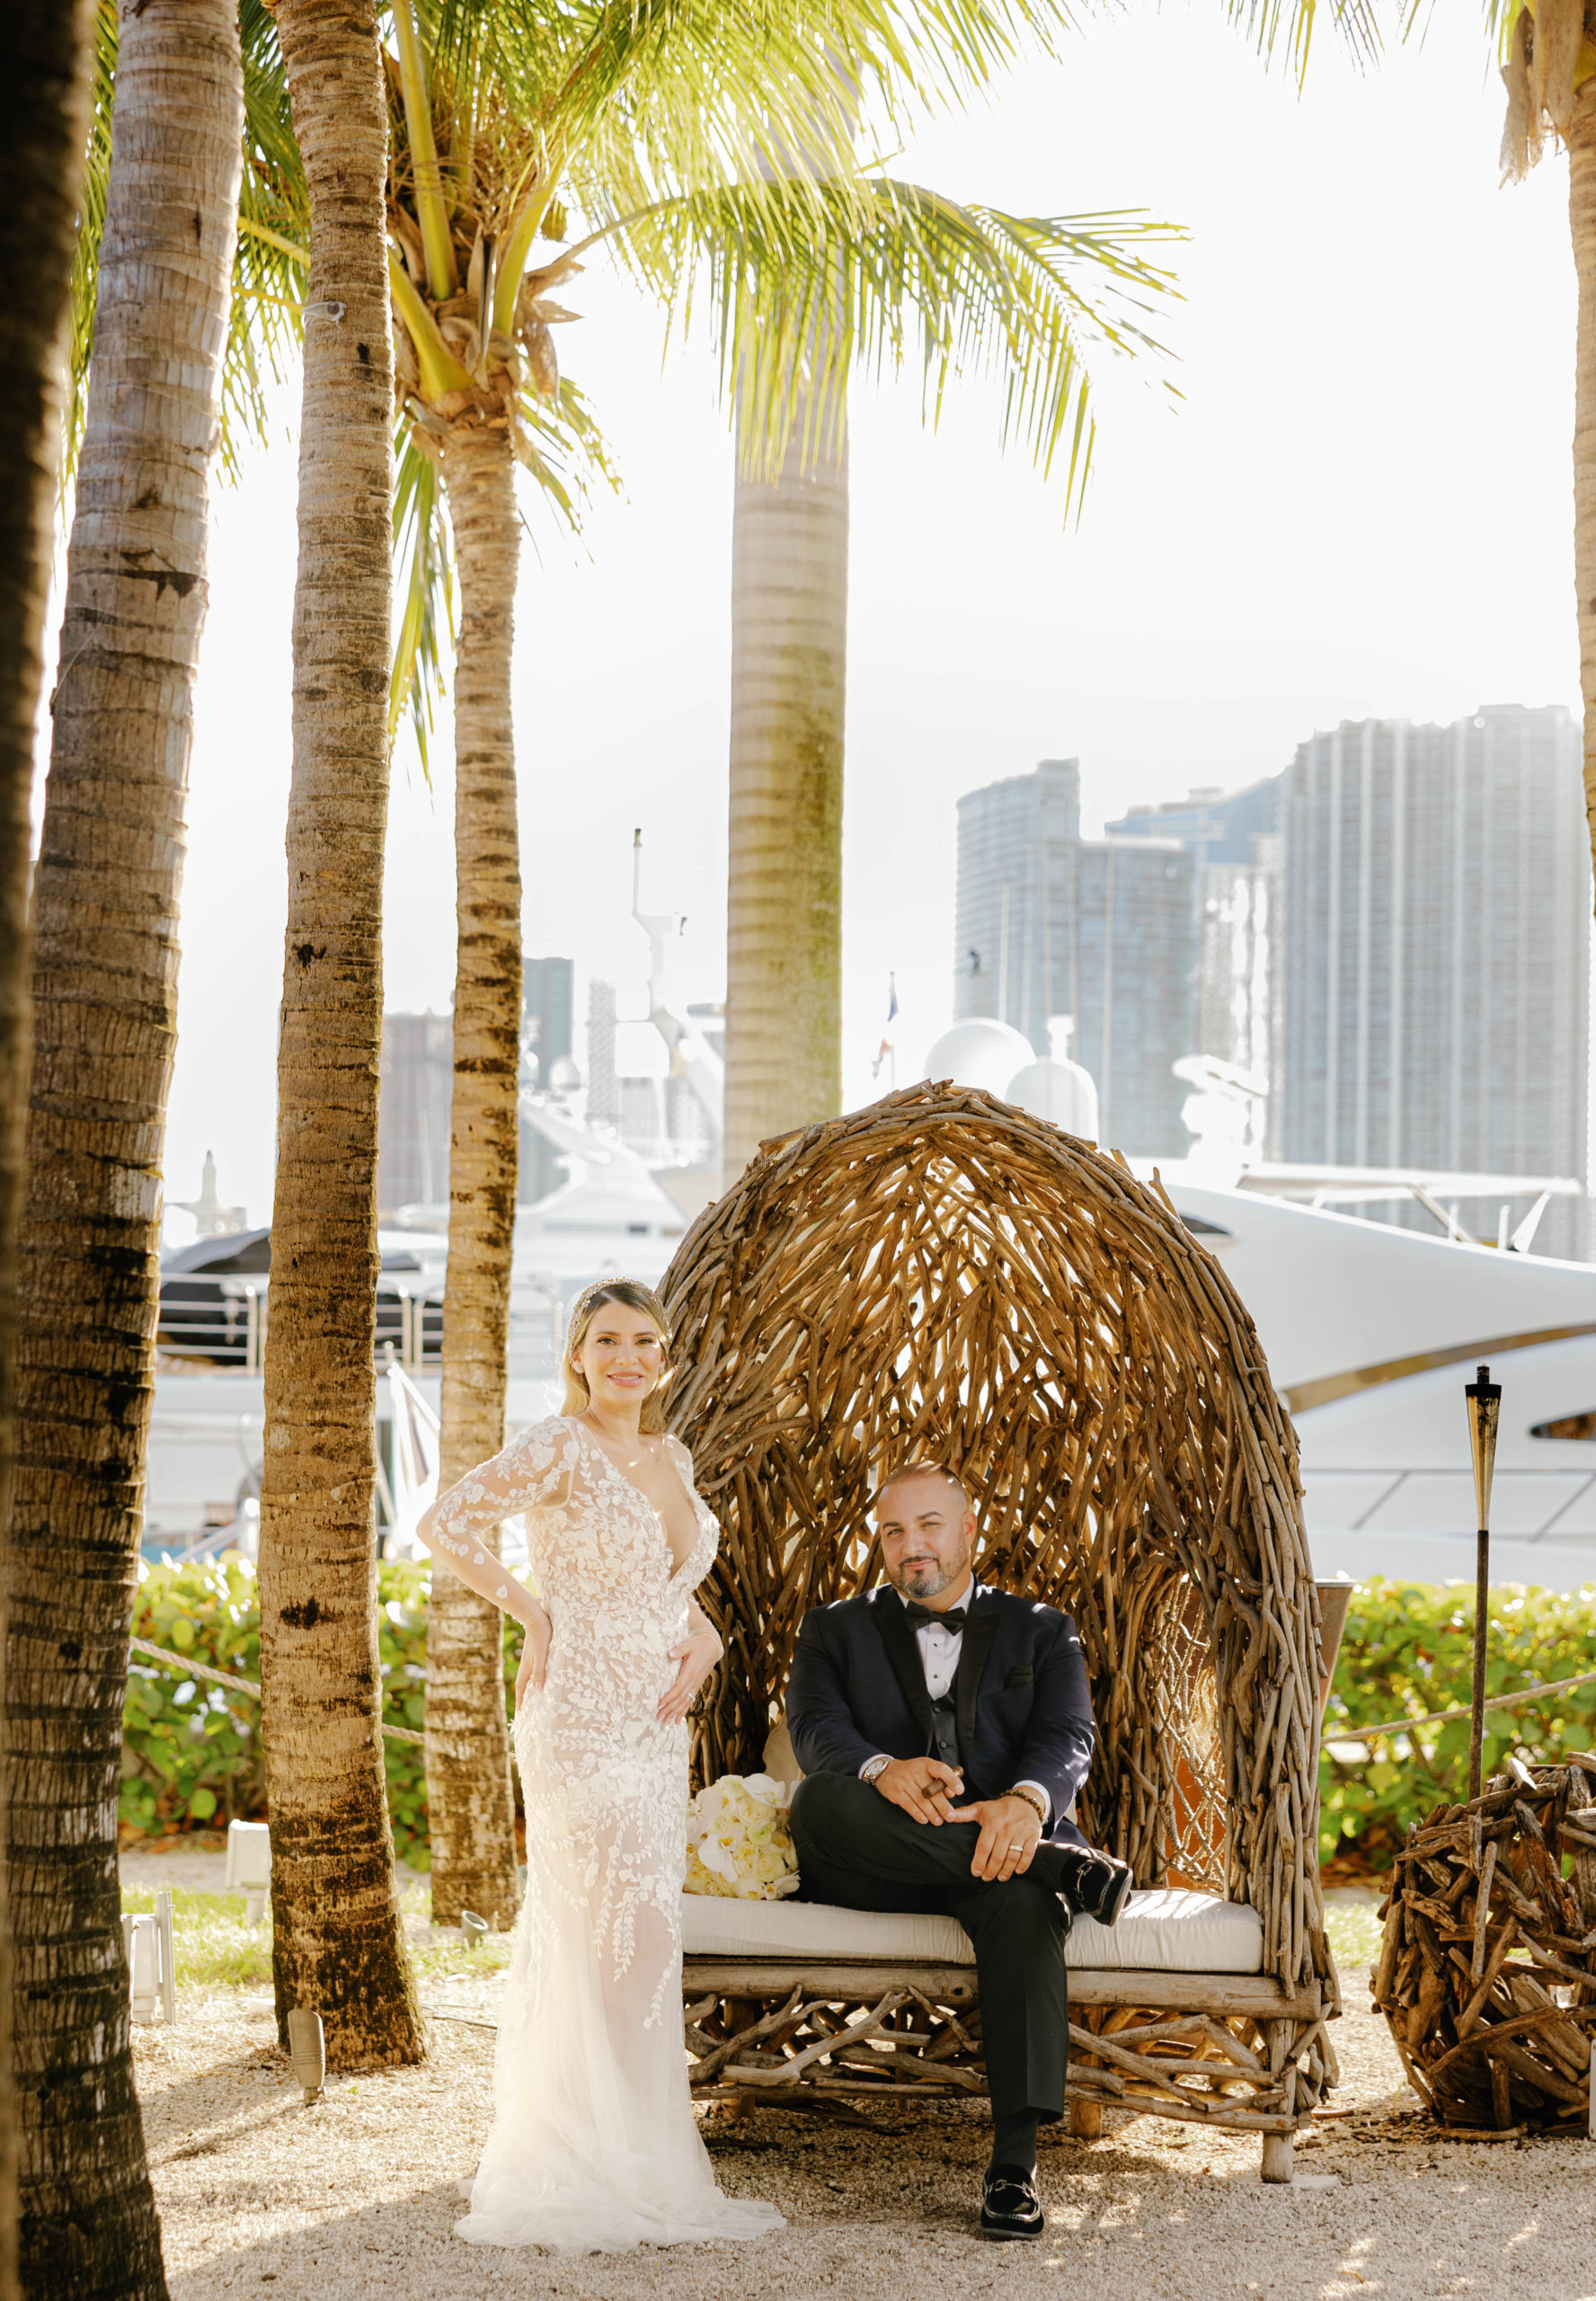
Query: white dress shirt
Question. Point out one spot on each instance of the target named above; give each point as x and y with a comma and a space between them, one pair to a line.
940, 1648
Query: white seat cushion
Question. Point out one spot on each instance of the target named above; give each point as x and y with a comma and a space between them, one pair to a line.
1166, 1932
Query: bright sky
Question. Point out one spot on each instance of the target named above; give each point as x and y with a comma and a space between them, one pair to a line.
1361, 505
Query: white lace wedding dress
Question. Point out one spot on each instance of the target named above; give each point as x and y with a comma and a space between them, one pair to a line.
593, 2146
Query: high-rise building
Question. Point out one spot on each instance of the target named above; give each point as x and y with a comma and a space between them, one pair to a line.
412, 1133
1101, 930
1237, 1012
1017, 840
547, 996
1219, 827
418, 1086
1435, 993
604, 1092
1234, 838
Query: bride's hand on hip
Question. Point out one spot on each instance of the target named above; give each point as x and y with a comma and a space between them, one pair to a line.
697, 1656
534, 1655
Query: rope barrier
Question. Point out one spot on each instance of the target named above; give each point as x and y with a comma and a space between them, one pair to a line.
1445, 1717
1342, 1734
241, 1685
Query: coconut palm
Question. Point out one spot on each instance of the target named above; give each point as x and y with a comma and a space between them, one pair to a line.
41, 142
338, 1944
104, 986
672, 132
789, 644
1549, 70
783, 859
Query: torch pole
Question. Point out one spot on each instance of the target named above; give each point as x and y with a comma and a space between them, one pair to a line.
1482, 1597
1485, 1409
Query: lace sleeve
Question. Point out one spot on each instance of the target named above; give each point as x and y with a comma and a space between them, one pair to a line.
534, 1469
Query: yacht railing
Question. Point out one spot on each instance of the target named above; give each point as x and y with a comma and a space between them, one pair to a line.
229, 1328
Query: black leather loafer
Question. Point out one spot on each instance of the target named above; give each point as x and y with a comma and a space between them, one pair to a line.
1010, 2207
1099, 1886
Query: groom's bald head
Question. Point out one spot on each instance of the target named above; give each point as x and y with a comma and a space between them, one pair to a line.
925, 1527
917, 1470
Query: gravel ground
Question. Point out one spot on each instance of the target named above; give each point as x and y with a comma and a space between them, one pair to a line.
357, 2196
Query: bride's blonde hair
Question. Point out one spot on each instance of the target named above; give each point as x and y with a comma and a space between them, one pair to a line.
636, 1297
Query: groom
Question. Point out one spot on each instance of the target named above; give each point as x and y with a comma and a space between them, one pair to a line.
945, 1728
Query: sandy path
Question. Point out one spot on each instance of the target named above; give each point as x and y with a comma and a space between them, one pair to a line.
357, 2196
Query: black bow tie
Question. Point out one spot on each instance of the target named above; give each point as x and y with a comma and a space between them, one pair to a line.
922, 1617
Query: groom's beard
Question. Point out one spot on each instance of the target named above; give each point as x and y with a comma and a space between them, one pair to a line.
928, 1580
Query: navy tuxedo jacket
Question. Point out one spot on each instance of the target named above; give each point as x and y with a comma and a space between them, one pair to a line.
1020, 1698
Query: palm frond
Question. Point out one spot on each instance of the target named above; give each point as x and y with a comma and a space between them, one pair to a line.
1273, 24
567, 453
804, 289
568, 456
651, 95
271, 264
90, 227
424, 582
268, 279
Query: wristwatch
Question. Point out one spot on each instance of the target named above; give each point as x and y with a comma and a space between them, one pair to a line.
873, 1768
1024, 1790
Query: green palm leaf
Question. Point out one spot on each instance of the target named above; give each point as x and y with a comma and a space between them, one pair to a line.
568, 456
268, 272
809, 283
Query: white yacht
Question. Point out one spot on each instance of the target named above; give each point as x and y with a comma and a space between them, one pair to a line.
1372, 1331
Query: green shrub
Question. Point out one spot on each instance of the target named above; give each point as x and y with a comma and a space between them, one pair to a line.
1408, 1650
192, 1752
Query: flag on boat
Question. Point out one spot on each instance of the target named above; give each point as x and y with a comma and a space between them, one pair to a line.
886, 1047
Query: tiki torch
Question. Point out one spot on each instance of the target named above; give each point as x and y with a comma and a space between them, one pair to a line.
1485, 1409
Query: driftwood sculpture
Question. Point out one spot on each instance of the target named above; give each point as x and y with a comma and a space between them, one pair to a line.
944, 1274
1488, 1968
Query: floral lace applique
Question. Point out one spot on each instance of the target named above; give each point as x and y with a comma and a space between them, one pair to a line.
605, 1782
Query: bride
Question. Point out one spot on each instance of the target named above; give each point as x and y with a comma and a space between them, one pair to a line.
593, 2146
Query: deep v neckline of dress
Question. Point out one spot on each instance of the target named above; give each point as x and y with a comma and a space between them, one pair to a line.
674, 1571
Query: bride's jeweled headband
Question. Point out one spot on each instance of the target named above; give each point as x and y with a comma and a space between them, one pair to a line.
602, 1287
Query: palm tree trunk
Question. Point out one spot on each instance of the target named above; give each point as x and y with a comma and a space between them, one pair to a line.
783, 929
104, 991
1581, 219
470, 1809
42, 129
338, 1943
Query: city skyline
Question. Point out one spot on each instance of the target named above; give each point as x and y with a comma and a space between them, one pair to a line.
1217, 600
1392, 938
1434, 990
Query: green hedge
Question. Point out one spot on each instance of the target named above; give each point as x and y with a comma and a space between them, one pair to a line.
1409, 1649
193, 1752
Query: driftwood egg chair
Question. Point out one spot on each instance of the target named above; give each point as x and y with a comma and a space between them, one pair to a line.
943, 1273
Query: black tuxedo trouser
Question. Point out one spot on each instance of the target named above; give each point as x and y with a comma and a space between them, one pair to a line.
857, 1849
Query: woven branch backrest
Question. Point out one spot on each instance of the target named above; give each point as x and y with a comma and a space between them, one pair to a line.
944, 1274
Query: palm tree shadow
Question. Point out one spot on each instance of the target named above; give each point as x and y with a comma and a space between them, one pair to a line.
406, 2241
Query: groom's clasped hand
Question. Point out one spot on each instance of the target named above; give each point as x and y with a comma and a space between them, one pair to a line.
1010, 1828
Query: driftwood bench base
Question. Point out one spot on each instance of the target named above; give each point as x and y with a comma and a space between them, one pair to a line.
1232, 2051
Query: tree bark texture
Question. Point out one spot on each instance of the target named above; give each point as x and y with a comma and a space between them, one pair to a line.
1582, 220
784, 933
470, 1806
338, 1943
105, 1012
43, 125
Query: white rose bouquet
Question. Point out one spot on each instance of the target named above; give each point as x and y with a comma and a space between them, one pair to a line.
739, 1844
